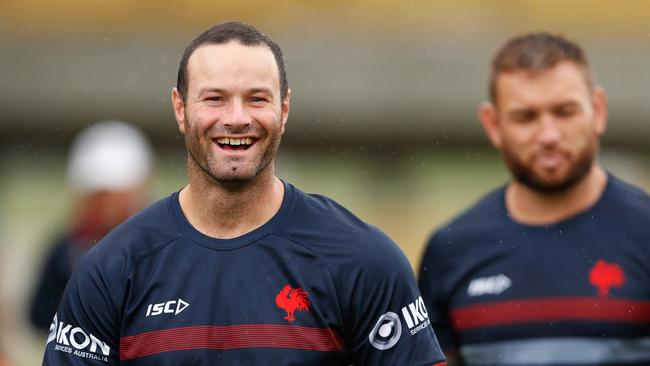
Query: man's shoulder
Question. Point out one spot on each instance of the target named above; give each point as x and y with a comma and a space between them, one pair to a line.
323, 215
139, 235
627, 195
624, 204
483, 216
332, 230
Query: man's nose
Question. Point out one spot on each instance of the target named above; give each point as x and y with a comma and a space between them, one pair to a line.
549, 130
237, 117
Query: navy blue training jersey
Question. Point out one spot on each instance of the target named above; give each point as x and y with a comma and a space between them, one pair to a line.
313, 286
573, 293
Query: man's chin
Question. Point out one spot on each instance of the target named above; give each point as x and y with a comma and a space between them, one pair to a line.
235, 174
557, 180
238, 177
232, 176
548, 184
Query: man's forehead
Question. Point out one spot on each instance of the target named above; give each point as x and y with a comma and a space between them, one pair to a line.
233, 59
563, 81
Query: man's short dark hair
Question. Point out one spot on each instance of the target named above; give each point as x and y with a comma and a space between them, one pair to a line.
536, 52
226, 32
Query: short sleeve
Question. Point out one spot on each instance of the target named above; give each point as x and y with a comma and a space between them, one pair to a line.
386, 320
54, 275
84, 330
430, 280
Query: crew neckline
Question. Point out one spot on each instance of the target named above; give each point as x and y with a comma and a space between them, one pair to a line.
577, 216
226, 244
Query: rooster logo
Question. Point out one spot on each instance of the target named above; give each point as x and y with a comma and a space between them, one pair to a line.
291, 300
606, 275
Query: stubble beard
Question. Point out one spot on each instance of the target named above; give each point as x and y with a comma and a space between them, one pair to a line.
200, 155
525, 174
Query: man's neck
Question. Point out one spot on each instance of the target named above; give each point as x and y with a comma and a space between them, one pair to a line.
531, 207
223, 212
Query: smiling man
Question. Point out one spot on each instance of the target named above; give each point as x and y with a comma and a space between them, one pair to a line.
552, 268
239, 267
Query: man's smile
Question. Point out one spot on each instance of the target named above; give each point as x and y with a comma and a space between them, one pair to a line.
235, 143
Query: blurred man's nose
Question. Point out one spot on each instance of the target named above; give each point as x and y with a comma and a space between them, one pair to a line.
549, 130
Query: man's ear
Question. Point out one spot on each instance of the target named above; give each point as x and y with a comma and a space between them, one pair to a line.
487, 114
179, 109
599, 100
286, 106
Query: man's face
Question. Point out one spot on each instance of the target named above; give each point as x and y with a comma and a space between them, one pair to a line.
233, 116
546, 125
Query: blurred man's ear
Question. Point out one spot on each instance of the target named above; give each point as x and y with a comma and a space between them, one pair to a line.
179, 109
286, 106
487, 114
599, 100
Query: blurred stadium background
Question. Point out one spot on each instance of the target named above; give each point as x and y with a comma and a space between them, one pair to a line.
383, 114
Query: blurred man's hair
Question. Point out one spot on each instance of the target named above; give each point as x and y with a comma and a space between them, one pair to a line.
536, 52
226, 32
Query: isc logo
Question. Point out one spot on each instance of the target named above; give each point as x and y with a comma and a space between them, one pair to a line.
493, 285
169, 307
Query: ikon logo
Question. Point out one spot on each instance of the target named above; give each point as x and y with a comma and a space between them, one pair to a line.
416, 316
77, 341
169, 307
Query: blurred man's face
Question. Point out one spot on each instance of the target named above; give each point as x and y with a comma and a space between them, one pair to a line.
98, 213
233, 117
547, 125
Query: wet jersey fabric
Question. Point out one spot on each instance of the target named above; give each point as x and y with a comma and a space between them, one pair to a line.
573, 293
313, 286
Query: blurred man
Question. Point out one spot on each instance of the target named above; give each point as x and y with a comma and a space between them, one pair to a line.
108, 172
554, 267
239, 267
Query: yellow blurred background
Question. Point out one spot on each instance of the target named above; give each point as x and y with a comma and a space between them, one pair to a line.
383, 114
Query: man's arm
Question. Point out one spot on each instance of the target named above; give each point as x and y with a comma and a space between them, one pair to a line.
50, 286
430, 282
84, 330
385, 317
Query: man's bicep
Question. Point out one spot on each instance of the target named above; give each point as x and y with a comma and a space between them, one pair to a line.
389, 322
84, 328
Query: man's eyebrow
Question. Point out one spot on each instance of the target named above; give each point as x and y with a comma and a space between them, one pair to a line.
520, 111
261, 90
223, 91
569, 103
206, 90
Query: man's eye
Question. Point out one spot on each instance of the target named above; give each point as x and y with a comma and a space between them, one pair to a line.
215, 99
523, 117
566, 111
258, 99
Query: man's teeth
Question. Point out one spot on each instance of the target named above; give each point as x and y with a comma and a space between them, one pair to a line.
234, 142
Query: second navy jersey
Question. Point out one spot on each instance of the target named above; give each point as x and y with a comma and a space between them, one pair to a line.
576, 292
312, 286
